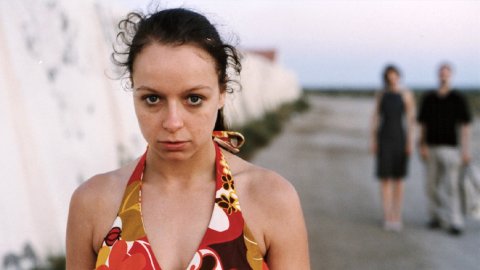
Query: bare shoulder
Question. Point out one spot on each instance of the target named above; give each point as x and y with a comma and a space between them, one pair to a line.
268, 199
102, 193
408, 98
95, 202
102, 187
407, 94
265, 196
255, 182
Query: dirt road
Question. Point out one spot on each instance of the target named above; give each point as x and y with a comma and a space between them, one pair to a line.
324, 153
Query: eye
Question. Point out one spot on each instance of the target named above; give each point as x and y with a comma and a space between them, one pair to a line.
151, 99
194, 100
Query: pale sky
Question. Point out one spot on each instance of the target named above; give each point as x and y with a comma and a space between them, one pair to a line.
348, 43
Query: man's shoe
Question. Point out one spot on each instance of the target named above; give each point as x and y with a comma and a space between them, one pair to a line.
434, 224
455, 231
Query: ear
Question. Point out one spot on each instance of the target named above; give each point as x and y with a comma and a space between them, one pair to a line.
221, 98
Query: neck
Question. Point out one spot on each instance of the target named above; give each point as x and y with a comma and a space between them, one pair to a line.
393, 88
444, 88
186, 172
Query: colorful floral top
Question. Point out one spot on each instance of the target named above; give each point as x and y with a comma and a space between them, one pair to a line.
227, 243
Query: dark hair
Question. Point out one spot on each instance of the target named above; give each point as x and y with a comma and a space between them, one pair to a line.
388, 69
177, 27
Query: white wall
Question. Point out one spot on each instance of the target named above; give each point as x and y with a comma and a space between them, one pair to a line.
63, 120
265, 86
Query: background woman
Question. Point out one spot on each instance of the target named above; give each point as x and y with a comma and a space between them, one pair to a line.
200, 206
392, 138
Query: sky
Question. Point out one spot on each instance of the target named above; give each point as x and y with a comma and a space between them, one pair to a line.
347, 43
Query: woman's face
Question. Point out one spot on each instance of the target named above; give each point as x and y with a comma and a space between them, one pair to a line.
393, 79
176, 98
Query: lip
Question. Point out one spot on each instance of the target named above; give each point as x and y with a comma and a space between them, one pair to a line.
173, 145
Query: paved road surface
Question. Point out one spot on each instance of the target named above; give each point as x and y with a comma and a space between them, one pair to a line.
324, 153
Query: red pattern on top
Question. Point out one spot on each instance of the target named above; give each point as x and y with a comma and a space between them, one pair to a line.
215, 245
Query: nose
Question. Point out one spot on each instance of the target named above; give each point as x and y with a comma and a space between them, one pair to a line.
173, 120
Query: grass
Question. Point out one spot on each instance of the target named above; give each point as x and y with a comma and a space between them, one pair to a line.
56, 262
474, 100
258, 133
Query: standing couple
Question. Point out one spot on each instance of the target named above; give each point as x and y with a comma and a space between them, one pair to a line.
444, 119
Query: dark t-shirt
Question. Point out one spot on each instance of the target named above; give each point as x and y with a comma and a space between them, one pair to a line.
441, 116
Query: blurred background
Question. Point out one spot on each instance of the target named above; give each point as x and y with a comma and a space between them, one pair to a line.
65, 116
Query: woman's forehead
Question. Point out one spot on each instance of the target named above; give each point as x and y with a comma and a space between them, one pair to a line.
160, 56
163, 52
182, 66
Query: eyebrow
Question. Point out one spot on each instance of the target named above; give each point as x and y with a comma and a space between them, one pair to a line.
194, 88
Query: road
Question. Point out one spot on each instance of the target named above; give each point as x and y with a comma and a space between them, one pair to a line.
324, 153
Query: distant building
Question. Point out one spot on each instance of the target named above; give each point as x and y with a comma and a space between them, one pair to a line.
270, 54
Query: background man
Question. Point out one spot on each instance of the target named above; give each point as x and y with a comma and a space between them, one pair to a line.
442, 114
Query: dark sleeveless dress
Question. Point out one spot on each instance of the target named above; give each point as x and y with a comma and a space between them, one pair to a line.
391, 137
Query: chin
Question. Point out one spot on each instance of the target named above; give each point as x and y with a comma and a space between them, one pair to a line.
175, 155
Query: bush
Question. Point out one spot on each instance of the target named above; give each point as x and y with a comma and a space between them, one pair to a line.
258, 133
56, 262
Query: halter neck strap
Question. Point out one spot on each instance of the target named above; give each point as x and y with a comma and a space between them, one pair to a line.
229, 140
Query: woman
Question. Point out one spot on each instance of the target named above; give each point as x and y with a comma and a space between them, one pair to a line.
392, 138
200, 206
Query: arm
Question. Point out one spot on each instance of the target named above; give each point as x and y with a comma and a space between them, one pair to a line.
286, 236
80, 253
374, 124
410, 118
465, 143
422, 143
465, 131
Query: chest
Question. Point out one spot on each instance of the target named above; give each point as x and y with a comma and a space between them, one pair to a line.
181, 227
176, 222
392, 105
442, 109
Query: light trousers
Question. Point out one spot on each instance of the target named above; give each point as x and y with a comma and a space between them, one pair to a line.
443, 185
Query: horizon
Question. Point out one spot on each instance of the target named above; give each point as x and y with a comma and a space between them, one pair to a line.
373, 88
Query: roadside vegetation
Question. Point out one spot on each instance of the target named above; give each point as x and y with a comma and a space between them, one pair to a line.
260, 132
472, 94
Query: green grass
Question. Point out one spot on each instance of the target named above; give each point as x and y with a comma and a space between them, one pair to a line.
474, 100
341, 92
258, 133
56, 262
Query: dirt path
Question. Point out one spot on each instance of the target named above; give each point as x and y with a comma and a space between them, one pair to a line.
324, 153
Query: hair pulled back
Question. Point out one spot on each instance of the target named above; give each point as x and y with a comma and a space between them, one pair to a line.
177, 26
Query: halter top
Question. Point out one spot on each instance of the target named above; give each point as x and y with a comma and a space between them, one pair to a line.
227, 243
